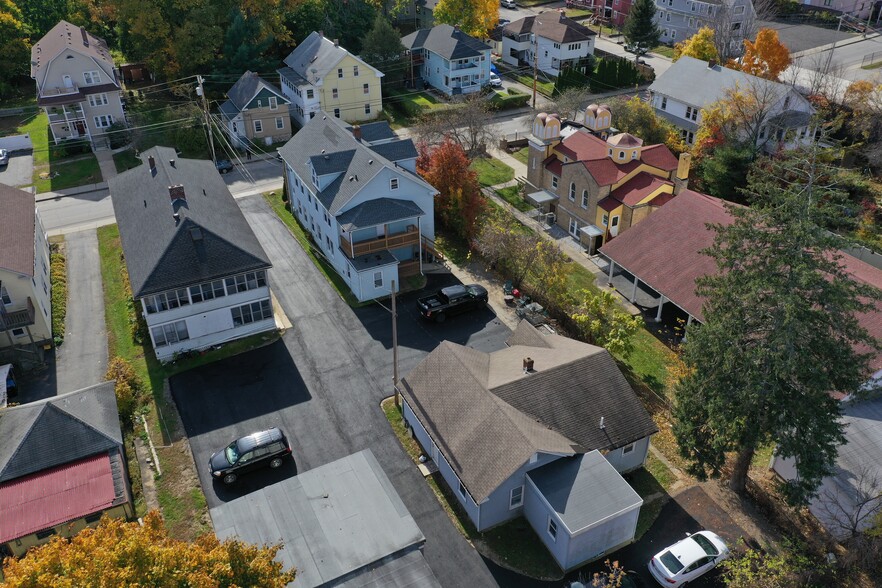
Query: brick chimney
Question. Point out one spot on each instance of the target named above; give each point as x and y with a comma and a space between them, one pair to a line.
528, 365
356, 132
681, 177
711, 63
176, 192
336, 42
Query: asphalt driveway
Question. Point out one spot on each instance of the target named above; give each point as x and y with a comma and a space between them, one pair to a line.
19, 171
322, 383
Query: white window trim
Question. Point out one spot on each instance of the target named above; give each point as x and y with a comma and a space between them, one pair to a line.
511, 498
258, 123
393, 184
551, 522
628, 448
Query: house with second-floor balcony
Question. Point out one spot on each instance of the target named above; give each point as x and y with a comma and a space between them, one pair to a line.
321, 75
680, 19
612, 13
595, 182
541, 429
558, 41
448, 59
690, 85
255, 112
25, 288
77, 84
355, 190
197, 271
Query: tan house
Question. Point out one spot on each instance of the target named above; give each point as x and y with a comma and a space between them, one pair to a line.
595, 183
76, 84
256, 112
62, 467
320, 75
25, 308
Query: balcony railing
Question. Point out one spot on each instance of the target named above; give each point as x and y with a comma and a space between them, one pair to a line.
68, 116
463, 65
393, 241
59, 91
16, 318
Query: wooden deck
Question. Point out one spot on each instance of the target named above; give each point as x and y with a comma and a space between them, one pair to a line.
393, 241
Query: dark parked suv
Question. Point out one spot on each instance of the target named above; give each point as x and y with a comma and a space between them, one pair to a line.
266, 448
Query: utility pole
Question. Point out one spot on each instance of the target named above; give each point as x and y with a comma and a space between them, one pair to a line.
395, 349
200, 91
535, 64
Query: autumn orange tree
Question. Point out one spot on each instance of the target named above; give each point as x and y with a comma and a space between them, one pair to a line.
474, 17
765, 57
700, 46
117, 553
459, 202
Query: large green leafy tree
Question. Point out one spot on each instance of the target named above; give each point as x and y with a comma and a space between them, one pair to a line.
14, 51
245, 48
640, 28
781, 333
348, 21
382, 49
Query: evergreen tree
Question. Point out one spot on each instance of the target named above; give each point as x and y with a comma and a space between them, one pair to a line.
382, 49
781, 333
640, 28
244, 48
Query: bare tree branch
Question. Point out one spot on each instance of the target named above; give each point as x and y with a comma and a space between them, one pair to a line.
851, 511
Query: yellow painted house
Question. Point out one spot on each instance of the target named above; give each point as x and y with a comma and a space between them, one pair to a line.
320, 75
598, 184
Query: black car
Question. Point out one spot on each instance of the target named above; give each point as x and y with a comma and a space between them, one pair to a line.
452, 300
265, 448
224, 165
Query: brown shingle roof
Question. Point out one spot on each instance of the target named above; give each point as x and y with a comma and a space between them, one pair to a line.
556, 27
488, 417
17, 225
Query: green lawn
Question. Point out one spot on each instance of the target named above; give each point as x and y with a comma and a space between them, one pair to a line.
491, 171
512, 195
406, 106
513, 544
125, 160
664, 51
544, 88
876, 65
580, 278
575, 13
182, 504
38, 128
522, 155
649, 362
275, 201
69, 175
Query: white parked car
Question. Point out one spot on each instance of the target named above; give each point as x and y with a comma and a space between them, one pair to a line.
688, 559
508, 4
495, 81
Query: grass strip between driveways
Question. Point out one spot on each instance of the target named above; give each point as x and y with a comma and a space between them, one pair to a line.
178, 491
513, 544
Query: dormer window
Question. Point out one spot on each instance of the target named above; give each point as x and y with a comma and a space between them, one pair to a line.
393, 184
621, 155
634, 154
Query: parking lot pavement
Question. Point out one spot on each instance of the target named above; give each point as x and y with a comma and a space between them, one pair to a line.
802, 37
322, 383
19, 171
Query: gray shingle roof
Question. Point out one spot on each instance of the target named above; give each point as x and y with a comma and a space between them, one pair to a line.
445, 41
488, 416
58, 430
376, 131
584, 490
555, 27
362, 162
691, 81
396, 150
313, 59
379, 211
65, 35
246, 87
162, 254
229, 110
18, 222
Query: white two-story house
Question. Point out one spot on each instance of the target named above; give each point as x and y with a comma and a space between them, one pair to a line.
197, 272
356, 191
449, 60
25, 307
76, 84
558, 41
690, 85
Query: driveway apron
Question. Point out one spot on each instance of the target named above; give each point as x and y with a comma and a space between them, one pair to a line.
337, 360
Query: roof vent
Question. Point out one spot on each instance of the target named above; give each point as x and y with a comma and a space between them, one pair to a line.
711, 63
177, 218
370, 162
177, 192
336, 42
528, 365
196, 233
203, 192
171, 162
323, 150
602, 424
327, 157
145, 204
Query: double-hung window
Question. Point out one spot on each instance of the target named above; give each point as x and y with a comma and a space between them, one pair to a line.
572, 191
516, 497
170, 334
103, 121
366, 88
251, 313
97, 100
91, 77
273, 102
355, 71
258, 126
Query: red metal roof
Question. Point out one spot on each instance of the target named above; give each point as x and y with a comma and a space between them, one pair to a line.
583, 146
663, 251
637, 188
659, 156
55, 496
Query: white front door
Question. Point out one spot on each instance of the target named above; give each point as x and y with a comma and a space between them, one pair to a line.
614, 226
68, 83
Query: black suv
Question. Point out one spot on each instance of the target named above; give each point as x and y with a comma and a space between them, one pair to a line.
266, 448
224, 165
